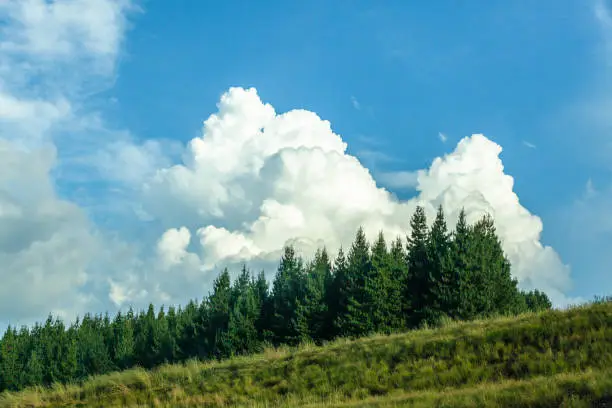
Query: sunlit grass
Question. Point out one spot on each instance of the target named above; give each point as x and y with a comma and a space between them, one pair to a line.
480, 363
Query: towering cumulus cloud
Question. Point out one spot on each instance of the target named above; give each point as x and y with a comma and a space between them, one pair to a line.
256, 180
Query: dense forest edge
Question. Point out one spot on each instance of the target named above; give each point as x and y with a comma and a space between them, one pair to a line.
553, 358
434, 277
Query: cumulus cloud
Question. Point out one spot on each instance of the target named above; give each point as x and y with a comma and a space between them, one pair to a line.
256, 180
45, 242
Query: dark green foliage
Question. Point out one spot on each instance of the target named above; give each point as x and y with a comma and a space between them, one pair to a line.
398, 274
417, 290
245, 310
288, 296
461, 274
536, 301
218, 317
315, 308
353, 315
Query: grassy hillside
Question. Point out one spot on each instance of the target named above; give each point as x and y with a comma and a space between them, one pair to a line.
555, 358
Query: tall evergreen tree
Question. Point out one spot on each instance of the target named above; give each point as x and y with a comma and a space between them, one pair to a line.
337, 294
266, 312
123, 345
398, 275
354, 319
495, 289
287, 294
314, 307
378, 286
459, 305
439, 297
9, 361
242, 330
219, 307
417, 282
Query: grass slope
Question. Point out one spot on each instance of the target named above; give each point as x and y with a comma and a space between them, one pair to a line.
556, 358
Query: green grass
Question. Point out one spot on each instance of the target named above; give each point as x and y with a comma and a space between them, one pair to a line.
556, 358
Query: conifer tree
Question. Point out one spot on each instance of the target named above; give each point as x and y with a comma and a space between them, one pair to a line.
337, 295
378, 286
440, 270
417, 283
314, 309
170, 346
537, 301
287, 294
459, 305
495, 290
219, 307
398, 275
34, 370
355, 318
9, 361
264, 320
242, 331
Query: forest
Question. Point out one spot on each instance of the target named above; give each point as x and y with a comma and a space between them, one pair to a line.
432, 276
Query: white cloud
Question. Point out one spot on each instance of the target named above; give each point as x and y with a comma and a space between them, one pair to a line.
172, 246
60, 29
45, 242
256, 180
355, 103
442, 137
49, 52
27, 121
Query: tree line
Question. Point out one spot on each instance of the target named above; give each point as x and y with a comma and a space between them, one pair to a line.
381, 287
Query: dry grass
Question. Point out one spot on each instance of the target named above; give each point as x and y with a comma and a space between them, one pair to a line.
530, 360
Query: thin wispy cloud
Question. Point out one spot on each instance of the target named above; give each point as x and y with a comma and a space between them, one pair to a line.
528, 144
442, 137
604, 20
355, 103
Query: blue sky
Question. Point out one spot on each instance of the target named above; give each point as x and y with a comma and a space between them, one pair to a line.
390, 77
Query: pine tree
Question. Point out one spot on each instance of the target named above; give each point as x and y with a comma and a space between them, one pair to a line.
287, 293
398, 275
170, 346
264, 321
354, 319
92, 355
459, 305
219, 306
337, 295
193, 340
417, 282
440, 270
314, 310
245, 310
123, 345
378, 286
536, 301
9, 361
33, 370
495, 290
